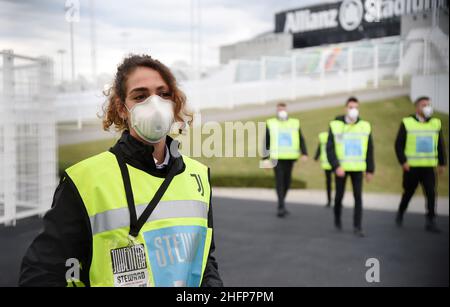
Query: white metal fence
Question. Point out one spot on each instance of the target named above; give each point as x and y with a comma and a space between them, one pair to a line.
325, 70
27, 136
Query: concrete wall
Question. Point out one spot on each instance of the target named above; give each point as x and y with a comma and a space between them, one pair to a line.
434, 86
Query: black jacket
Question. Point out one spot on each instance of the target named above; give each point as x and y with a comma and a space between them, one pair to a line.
331, 153
67, 232
318, 152
400, 143
266, 149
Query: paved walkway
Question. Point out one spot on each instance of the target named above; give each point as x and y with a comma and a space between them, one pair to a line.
304, 104
255, 248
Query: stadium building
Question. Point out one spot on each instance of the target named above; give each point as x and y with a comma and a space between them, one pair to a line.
340, 22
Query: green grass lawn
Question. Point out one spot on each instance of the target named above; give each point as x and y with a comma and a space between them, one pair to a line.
385, 117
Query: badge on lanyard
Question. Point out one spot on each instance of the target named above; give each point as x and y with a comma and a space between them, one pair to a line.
130, 266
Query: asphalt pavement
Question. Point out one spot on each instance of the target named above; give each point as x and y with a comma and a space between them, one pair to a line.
255, 248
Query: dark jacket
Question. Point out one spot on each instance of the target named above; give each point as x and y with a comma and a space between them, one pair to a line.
67, 232
400, 144
266, 149
318, 152
331, 153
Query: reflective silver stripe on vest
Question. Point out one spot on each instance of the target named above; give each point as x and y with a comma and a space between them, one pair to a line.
351, 134
422, 157
352, 160
118, 218
423, 131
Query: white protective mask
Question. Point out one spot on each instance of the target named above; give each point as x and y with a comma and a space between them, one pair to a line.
152, 118
353, 114
282, 115
427, 111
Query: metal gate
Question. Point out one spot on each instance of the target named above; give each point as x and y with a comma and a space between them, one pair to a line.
27, 136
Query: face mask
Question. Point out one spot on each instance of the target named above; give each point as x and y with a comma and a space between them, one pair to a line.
152, 118
353, 114
282, 115
427, 111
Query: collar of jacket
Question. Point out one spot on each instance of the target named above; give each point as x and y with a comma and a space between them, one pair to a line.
426, 119
342, 119
140, 155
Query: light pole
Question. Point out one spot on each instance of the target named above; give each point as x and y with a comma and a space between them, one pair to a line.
93, 41
72, 9
200, 42
196, 37
61, 52
72, 51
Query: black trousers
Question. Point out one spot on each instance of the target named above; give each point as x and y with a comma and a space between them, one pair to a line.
328, 178
426, 177
357, 183
283, 176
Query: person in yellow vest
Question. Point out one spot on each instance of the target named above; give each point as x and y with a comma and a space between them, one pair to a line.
351, 154
284, 144
321, 153
139, 214
420, 150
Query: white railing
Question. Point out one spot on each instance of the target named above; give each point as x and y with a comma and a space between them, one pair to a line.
308, 72
27, 137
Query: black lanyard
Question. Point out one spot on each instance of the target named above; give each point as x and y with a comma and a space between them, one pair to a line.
135, 223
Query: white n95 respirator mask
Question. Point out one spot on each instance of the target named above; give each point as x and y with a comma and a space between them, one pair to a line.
427, 111
353, 113
282, 115
152, 118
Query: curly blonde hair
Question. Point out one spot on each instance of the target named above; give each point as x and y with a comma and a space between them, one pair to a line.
116, 94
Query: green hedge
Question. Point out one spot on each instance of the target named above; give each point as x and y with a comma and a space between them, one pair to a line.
236, 181
251, 182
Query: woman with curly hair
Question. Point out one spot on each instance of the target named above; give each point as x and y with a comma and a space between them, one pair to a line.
138, 214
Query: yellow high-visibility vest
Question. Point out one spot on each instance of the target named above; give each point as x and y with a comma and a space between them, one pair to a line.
172, 247
422, 139
284, 138
323, 139
351, 144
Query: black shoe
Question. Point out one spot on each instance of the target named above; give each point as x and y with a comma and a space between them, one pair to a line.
359, 233
338, 225
282, 212
431, 227
328, 205
399, 220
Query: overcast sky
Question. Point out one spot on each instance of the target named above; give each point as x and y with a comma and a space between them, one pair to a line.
160, 28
